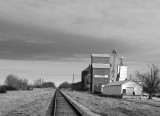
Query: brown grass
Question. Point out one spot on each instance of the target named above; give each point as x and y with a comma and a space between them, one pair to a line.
116, 107
26, 103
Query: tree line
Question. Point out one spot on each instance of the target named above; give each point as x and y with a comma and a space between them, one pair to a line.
13, 82
65, 85
39, 83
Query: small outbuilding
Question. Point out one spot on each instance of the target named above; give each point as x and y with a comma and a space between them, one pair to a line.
127, 87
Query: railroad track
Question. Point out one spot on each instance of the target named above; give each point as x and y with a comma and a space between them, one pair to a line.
61, 106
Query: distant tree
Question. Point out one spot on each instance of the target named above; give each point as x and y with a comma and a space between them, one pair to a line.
3, 89
65, 85
38, 83
12, 82
24, 84
48, 84
150, 80
30, 87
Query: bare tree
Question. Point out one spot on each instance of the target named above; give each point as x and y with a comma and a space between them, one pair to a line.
38, 82
13, 82
150, 80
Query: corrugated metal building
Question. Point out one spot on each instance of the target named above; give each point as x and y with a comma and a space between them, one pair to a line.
100, 69
98, 73
127, 87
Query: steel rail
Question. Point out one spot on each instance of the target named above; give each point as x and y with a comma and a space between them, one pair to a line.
54, 107
63, 105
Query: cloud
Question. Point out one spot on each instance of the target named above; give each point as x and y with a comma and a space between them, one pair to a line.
59, 48
126, 19
69, 30
23, 41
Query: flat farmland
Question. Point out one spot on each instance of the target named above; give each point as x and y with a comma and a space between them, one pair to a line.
27, 103
106, 106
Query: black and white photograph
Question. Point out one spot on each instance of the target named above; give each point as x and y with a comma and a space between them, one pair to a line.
79, 58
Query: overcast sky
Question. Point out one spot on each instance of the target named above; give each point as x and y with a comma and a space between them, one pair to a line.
52, 39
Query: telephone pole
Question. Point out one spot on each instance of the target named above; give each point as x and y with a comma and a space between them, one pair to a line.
72, 81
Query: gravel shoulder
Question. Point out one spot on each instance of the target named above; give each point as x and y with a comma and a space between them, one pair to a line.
26, 103
116, 107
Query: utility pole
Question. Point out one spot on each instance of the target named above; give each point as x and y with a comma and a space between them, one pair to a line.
72, 81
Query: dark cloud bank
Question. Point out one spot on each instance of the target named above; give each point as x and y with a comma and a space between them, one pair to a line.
67, 48
27, 42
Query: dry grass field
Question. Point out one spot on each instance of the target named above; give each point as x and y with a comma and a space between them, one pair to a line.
116, 107
26, 103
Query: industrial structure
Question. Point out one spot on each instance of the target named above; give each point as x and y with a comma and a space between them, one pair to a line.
118, 70
98, 73
102, 76
122, 73
114, 66
86, 79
